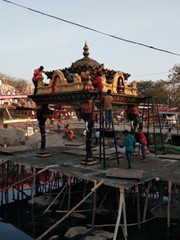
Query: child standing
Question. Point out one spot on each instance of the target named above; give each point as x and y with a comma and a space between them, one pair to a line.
59, 125
66, 131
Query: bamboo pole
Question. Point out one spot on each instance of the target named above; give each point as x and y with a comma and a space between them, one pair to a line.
19, 177
94, 206
54, 199
22, 187
146, 201
9, 114
138, 206
5, 161
84, 189
62, 200
2, 184
33, 184
18, 182
51, 184
7, 174
169, 203
74, 208
125, 219
121, 202
69, 192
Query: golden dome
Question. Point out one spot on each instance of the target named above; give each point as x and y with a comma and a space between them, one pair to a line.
86, 61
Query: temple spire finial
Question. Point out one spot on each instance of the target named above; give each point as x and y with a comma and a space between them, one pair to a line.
86, 50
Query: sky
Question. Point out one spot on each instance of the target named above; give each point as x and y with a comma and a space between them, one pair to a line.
29, 39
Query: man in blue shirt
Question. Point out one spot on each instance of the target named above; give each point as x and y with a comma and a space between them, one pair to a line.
129, 143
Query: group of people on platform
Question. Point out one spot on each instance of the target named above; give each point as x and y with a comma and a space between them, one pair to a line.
130, 142
96, 78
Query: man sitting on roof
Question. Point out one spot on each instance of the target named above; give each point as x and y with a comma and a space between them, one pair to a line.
97, 82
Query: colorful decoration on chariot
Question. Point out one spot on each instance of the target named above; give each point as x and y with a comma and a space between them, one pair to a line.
80, 76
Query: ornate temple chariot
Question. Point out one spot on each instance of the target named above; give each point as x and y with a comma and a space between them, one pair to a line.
79, 77
75, 86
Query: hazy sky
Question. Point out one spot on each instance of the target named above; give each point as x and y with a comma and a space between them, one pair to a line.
29, 39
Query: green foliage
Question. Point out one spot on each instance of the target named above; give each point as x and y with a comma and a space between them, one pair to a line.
173, 86
168, 149
156, 89
166, 92
174, 74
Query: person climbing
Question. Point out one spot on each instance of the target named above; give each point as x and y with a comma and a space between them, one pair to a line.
97, 82
37, 77
133, 116
143, 142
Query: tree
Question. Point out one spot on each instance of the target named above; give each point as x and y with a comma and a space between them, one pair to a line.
153, 89
166, 92
145, 88
173, 86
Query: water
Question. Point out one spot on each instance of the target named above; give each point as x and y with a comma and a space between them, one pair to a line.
32, 222
8, 231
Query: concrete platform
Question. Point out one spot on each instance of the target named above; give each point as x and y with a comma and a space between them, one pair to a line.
61, 161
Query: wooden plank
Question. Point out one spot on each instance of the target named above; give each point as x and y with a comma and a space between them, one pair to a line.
90, 161
108, 157
76, 144
111, 151
125, 173
11, 150
79, 152
170, 156
108, 151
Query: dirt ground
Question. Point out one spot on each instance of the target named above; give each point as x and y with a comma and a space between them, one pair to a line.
53, 137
